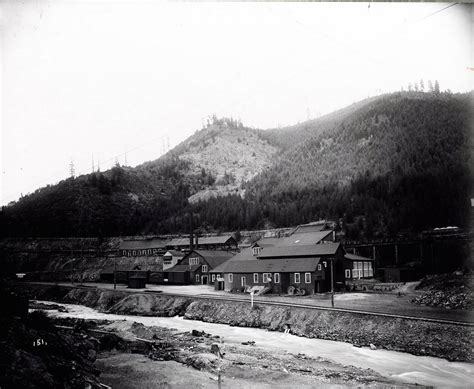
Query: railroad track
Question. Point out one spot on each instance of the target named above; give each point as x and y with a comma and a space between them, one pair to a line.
319, 308
286, 304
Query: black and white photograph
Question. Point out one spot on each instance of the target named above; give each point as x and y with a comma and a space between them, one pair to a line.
220, 194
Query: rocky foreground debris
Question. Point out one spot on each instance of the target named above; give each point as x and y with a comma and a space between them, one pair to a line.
451, 291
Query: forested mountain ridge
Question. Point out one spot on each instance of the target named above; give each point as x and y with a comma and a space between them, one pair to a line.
397, 162
401, 162
288, 137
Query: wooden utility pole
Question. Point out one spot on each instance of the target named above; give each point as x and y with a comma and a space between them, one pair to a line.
332, 284
115, 272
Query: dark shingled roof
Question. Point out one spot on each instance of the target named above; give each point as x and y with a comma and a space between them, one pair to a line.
178, 242
299, 251
214, 239
353, 257
303, 238
142, 244
182, 268
214, 257
290, 265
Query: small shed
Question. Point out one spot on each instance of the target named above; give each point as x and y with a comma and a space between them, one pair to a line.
137, 279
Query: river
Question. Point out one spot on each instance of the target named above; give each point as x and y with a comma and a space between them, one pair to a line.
402, 367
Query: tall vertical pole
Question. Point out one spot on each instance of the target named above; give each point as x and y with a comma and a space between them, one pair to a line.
115, 272
332, 284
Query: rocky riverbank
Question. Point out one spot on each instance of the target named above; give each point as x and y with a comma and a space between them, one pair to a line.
149, 354
452, 342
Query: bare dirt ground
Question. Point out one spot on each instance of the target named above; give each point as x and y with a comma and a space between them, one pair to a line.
185, 360
391, 303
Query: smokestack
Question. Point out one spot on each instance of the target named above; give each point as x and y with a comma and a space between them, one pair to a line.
191, 236
197, 239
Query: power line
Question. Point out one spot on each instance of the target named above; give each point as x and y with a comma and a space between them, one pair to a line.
233, 104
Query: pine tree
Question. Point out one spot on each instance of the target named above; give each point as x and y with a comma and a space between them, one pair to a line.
436, 87
430, 86
422, 85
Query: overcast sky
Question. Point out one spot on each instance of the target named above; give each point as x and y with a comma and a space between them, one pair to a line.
101, 78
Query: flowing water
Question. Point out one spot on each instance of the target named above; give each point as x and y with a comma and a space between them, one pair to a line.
399, 366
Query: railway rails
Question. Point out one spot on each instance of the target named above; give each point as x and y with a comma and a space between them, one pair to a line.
307, 306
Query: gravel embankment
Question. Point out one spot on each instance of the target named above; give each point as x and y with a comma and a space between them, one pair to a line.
452, 342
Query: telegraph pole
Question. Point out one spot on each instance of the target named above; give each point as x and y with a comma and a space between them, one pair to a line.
115, 272
332, 284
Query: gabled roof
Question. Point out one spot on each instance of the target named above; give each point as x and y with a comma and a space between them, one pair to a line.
175, 253
303, 238
299, 251
269, 266
266, 242
178, 242
311, 227
244, 255
214, 258
182, 268
142, 244
296, 239
215, 239
353, 257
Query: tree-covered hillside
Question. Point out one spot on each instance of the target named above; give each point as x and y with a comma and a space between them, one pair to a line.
400, 163
121, 201
396, 163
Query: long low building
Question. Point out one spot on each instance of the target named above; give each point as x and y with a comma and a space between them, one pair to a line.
279, 266
306, 267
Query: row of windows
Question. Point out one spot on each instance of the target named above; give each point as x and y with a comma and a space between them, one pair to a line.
362, 269
267, 277
133, 253
198, 277
194, 261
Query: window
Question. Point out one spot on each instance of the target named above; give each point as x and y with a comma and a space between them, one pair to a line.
204, 269
194, 261
134, 252
167, 260
371, 270
243, 281
277, 278
149, 251
325, 263
155, 251
197, 277
256, 250
255, 278
319, 267
366, 269
307, 278
129, 254
297, 278
267, 277
213, 277
231, 277
348, 273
